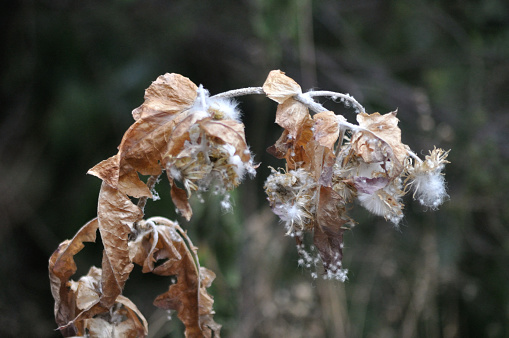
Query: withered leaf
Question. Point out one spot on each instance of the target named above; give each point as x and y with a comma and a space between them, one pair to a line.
188, 296
328, 231
87, 289
381, 141
280, 87
133, 324
146, 140
230, 132
116, 214
61, 267
168, 94
180, 199
292, 115
326, 129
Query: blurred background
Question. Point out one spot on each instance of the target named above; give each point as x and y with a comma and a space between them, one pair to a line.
72, 71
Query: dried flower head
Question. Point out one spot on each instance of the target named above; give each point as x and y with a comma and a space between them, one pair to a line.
427, 180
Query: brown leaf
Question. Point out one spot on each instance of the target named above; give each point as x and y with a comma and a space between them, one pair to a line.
328, 232
292, 115
107, 170
381, 141
116, 214
188, 296
180, 199
168, 94
229, 132
326, 129
61, 267
146, 140
132, 323
280, 87
130, 184
87, 289
180, 134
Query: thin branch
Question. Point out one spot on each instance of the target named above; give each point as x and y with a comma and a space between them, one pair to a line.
240, 92
345, 98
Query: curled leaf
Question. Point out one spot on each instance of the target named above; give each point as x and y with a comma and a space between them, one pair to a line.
116, 214
380, 141
280, 87
61, 267
326, 127
144, 142
163, 240
167, 95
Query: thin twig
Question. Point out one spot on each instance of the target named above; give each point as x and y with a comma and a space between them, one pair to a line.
344, 98
239, 92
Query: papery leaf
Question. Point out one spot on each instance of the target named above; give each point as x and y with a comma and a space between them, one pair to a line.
381, 141
146, 140
133, 324
137, 323
180, 199
188, 296
292, 115
326, 129
130, 184
61, 267
180, 134
87, 289
168, 94
328, 232
229, 132
280, 87
107, 170
116, 214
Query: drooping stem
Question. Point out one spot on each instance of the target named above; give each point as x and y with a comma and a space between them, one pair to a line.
343, 97
240, 92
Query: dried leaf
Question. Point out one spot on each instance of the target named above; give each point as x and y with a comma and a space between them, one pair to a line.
180, 199
292, 115
146, 140
168, 94
328, 232
229, 132
61, 268
280, 87
125, 320
180, 134
116, 214
381, 141
130, 184
326, 129
165, 240
87, 289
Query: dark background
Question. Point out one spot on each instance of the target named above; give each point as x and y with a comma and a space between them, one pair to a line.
72, 71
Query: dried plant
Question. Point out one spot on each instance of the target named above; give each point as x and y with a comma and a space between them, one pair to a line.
199, 142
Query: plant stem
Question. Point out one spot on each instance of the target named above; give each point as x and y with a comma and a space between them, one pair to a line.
240, 92
334, 96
